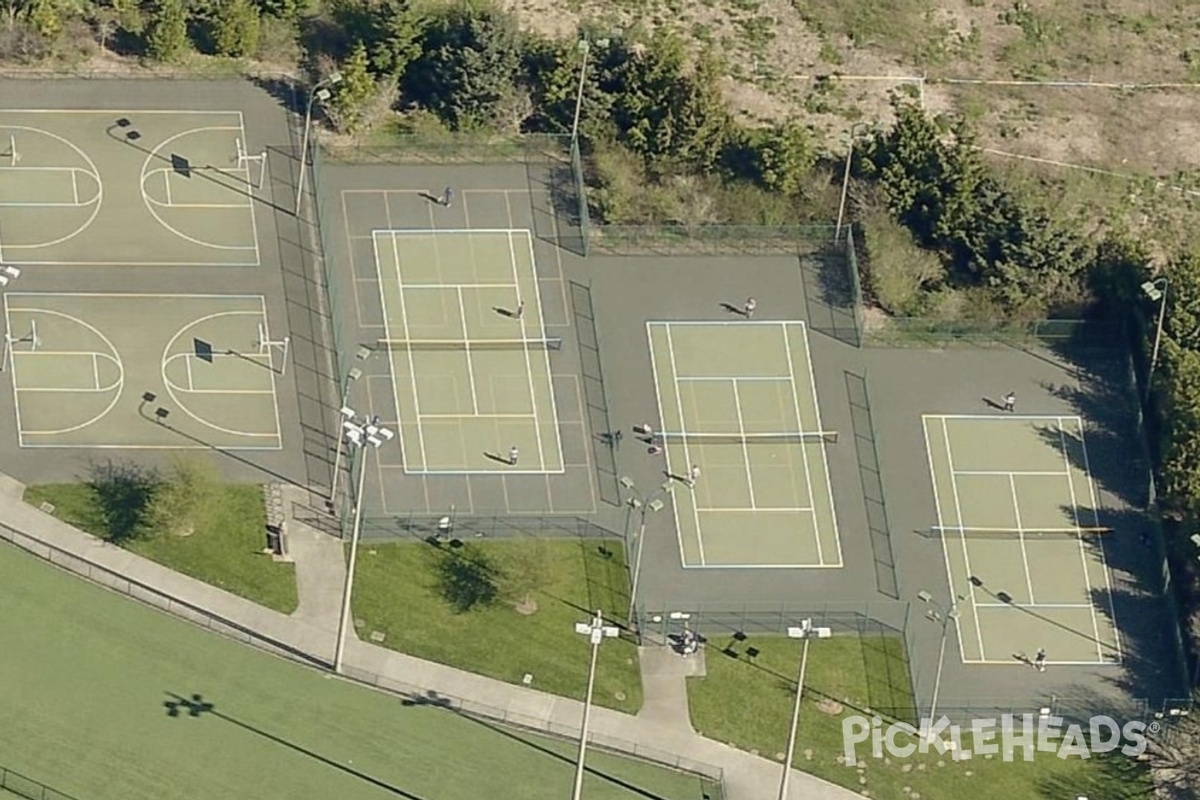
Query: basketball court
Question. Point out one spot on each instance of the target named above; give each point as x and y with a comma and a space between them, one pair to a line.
1018, 516
195, 371
468, 352
75, 184
738, 401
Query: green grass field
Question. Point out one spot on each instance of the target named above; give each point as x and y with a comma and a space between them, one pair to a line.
86, 675
396, 592
750, 705
225, 550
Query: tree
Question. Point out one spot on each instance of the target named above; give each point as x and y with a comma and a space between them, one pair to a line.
1172, 755
468, 68
122, 493
351, 96
525, 570
167, 36
234, 28
669, 116
779, 158
467, 579
183, 496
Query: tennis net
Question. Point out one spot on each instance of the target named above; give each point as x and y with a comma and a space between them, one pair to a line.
468, 344
1019, 534
780, 437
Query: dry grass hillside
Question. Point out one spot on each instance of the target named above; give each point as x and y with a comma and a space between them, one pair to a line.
834, 63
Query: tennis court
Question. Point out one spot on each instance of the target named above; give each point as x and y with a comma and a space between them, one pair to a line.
1019, 519
84, 376
74, 184
468, 352
738, 401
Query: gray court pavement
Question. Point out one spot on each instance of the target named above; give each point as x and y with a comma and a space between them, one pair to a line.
662, 727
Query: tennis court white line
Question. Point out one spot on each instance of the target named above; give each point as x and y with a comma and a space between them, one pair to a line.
167, 185
1087, 579
187, 363
38, 390
737, 407
966, 555
478, 416
1112, 611
761, 566
757, 508
1008, 473
1034, 605
537, 297
387, 329
1013, 662
537, 429
233, 391
787, 347
739, 378
459, 286
687, 456
462, 318
997, 417
433, 233
96, 372
1012, 484
75, 186
666, 450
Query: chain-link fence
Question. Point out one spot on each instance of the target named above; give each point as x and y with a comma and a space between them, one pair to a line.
452, 148
28, 788
581, 199
1058, 333
710, 240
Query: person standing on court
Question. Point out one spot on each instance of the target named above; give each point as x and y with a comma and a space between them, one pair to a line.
1039, 659
694, 475
513, 455
1010, 402
447, 196
748, 308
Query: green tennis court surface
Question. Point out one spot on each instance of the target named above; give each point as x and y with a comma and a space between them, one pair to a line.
469, 356
737, 400
80, 371
1019, 520
87, 676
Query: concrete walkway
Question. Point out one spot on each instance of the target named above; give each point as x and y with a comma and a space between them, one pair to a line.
661, 731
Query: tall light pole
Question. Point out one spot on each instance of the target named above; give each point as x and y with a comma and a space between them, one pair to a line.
585, 47
642, 505
1156, 290
943, 616
837, 233
346, 413
359, 435
320, 91
806, 631
597, 632
8, 274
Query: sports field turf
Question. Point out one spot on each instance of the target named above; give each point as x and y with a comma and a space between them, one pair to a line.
86, 675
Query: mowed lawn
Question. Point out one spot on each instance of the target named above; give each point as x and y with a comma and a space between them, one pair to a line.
749, 705
225, 550
396, 592
86, 673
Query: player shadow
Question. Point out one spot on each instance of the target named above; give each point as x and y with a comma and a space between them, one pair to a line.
672, 476
196, 706
611, 438
732, 309
433, 198
992, 404
500, 459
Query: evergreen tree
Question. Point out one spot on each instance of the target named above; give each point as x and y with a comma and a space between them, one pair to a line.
167, 35
234, 27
